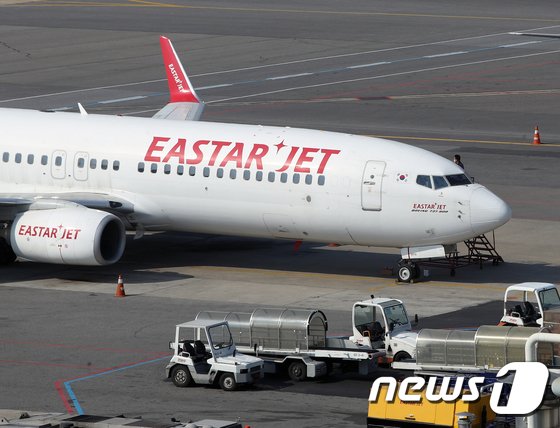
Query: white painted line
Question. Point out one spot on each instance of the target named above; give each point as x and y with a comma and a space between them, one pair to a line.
403, 73
223, 85
118, 100
61, 108
445, 54
288, 76
373, 64
520, 44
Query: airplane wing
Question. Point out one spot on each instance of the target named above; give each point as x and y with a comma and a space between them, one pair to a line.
184, 103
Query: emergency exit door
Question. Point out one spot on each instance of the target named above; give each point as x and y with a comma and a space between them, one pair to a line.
372, 181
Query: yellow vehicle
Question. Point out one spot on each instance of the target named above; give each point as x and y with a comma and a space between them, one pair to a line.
397, 413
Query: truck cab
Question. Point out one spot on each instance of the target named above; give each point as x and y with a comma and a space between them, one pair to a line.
382, 323
529, 303
204, 353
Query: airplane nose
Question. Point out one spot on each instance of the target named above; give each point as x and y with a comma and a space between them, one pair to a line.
488, 211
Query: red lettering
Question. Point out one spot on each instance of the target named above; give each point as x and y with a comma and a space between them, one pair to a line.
303, 158
76, 231
155, 148
327, 154
234, 155
289, 159
178, 151
257, 153
198, 152
21, 231
219, 145
53, 233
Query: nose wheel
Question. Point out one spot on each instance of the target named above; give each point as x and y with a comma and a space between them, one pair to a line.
407, 272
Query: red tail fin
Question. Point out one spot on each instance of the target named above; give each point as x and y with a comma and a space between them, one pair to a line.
180, 87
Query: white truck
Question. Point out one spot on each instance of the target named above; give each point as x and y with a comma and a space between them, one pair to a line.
531, 304
296, 339
204, 353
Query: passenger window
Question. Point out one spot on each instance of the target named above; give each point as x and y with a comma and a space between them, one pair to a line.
30, 159
18, 157
192, 171
116, 165
439, 182
180, 169
206, 171
141, 166
284, 177
220, 173
92, 163
308, 179
44, 160
153, 168
424, 180
232, 174
259, 175
81, 162
167, 169
295, 179
104, 164
321, 180
246, 175
6, 157
58, 161
271, 177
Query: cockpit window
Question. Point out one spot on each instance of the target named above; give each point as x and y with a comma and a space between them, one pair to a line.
439, 182
424, 180
458, 180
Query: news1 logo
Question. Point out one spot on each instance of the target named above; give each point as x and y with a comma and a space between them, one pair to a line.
525, 396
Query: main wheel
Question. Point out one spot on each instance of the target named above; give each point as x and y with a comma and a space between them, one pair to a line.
181, 376
227, 382
406, 273
7, 255
297, 371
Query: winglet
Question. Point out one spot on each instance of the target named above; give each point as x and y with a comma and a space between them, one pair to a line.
180, 87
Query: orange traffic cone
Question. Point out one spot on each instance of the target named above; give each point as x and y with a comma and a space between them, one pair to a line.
537, 137
120, 288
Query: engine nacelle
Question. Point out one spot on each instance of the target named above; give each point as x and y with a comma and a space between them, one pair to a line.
74, 236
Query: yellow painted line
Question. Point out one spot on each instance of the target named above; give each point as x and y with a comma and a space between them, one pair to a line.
457, 140
140, 3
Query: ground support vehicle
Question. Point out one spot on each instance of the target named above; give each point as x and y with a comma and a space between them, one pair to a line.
204, 353
532, 304
296, 339
485, 350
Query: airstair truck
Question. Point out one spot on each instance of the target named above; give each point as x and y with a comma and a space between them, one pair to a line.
296, 339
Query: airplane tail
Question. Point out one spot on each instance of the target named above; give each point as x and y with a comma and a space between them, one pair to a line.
184, 103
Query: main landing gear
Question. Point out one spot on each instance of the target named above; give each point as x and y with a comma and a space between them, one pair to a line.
407, 271
7, 255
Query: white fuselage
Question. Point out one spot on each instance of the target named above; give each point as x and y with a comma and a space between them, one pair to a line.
341, 196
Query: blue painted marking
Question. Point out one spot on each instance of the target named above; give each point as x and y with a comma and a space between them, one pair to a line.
71, 394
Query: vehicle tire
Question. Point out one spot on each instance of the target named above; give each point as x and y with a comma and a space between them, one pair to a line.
399, 356
297, 371
405, 273
181, 376
227, 382
7, 255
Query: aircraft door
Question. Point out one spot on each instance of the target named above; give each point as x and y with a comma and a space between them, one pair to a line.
372, 181
58, 164
81, 165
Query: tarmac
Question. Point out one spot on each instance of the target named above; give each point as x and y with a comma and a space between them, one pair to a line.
439, 76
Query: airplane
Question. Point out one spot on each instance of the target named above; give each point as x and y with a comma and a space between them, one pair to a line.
73, 183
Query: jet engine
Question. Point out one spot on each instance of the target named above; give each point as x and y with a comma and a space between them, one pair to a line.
74, 236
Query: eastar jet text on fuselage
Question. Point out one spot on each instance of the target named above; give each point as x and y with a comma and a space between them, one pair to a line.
73, 182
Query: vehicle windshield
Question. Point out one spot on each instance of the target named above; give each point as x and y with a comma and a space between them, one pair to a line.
396, 315
458, 180
220, 336
549, 298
